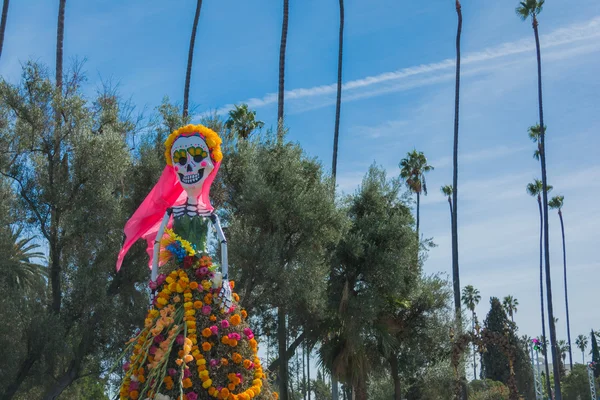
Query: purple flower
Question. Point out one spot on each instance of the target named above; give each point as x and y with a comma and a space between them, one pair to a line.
180, 340
214, 329
172, 371
203, 270
206, 310
153, 350
134, 385
187, 373
160, 279
126, 366
225, 324
159, 338
213, 363
192, 396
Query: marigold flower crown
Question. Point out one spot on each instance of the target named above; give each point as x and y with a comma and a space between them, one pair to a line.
212, 139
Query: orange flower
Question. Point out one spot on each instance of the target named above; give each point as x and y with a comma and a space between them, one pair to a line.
206, 346
236, 297
198, 304
224, 393
212, 390
213, 318
134, 394
208, 299
224, 361
194, 285
186, 383
168, 382
225, 340
244, 314
236, 358
233, 342
235, 320
253, 344
275, 395
206, 332
247, 364
231, 387
188, 358
232, 284
141, 378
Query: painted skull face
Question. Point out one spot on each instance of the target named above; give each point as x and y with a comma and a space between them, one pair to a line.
192, 163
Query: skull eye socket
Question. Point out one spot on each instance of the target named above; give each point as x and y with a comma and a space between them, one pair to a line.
198, 153
180, 156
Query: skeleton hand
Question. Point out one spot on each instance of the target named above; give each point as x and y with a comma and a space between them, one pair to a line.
225, 296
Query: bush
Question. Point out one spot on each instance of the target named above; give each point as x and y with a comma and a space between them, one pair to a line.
488, 390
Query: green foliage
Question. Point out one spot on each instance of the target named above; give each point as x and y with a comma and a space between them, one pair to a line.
488, 390
320, 388
242, 122
595, 354
413, 169
575, 386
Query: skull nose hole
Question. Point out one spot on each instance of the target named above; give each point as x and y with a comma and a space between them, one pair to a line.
189, 168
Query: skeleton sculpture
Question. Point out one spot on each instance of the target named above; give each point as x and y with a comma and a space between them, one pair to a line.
196, 342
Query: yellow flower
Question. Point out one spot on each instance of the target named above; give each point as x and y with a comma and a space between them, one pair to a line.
207, 383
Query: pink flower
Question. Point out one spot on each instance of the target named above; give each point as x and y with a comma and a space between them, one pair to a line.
160, 279
251, 365
180, 340
192, 396
153, 350
198, 275
213, 363
206, 310
159, 338
172, 371
203, 270
214, 329
153, 285
134, 385
126, 366
187, 373
224, 324
235, 336
248, 333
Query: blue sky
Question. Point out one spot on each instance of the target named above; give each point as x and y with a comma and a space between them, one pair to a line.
399, 95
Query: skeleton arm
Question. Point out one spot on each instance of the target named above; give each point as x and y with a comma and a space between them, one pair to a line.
225, 293
159, 234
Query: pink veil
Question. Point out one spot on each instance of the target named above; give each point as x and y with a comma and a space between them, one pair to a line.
167, 192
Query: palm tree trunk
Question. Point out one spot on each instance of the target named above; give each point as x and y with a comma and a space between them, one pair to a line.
418, 218
474, 352
338, 102
544, 350
455, 270
283, 363
562, 229
188, 73
555, 356
393, 360
60, 34
281, 88
3, 24
334, 388
308, 369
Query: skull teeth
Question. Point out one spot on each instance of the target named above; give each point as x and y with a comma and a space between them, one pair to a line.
192, 178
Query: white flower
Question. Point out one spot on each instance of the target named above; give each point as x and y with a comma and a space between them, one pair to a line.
161, 397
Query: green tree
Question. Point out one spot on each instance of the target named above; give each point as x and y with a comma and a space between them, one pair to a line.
562, 349
281, 86
535, 189
526, 9
280, 212
576, 384
470, 298
447, 191
321, 388
243, 122
338, 101
18, 266
3, 24
556, 203
412, 170
70, 184
581, 342
510, 305
188, 72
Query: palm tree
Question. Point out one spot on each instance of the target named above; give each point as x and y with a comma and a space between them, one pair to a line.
281, 88
526, 9
188, 73
534, 134
510, 305
60, 34
19, 270
447, 191
243, 121
556, 204
470, 298
412, 170
535, 189
3, 24
562, 348
581, 342
338, 101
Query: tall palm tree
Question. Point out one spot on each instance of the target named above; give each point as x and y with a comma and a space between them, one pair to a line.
188, 73
510, 305
526, 9
3, 24
412, 170
19, 268
535, 134
281, 87
535, 189
447, 191
562, 348
243, 121
470, 298
338, 102
581, 342
556, 203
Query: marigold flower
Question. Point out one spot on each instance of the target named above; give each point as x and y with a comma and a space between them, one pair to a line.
134, 394
198, 304
244, 314
208, 299
176, 299
206, 332
231, 387
233, 342
224, 393
194, 285
247, 364
237, 358
224, 361
206, 346
207, 383
236, 297
235, 320
211, 391
213, 318
186, 383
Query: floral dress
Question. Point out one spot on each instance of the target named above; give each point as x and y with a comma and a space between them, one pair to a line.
190, 347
